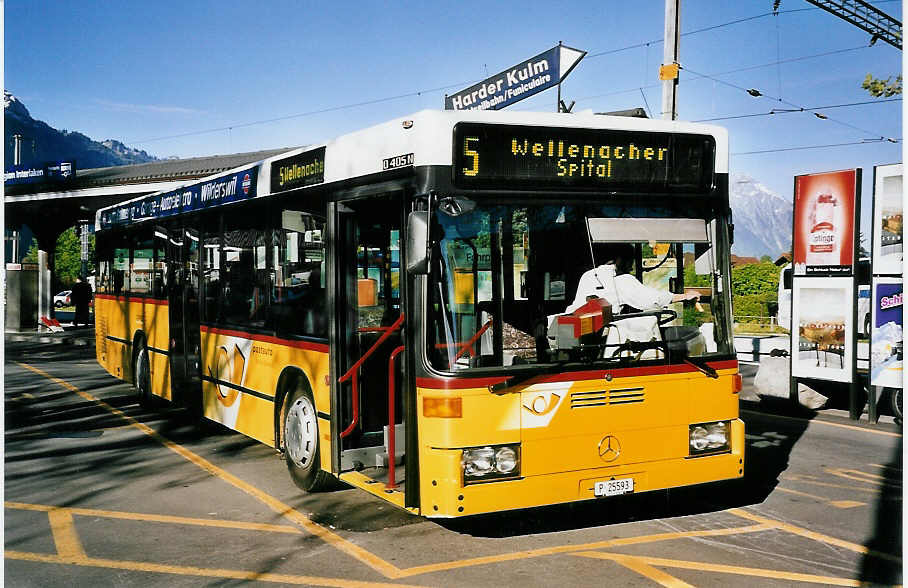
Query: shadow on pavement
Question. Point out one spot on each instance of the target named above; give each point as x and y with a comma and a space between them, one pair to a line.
768, 446
887, 533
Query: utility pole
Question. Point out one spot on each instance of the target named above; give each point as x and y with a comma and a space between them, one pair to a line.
17, 149
668, 73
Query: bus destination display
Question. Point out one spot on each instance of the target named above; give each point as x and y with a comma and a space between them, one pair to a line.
504, 156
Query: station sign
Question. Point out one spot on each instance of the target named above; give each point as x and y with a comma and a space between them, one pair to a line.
233, 187
521, 81
57, 171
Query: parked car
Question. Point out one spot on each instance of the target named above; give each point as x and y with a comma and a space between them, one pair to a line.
62, 299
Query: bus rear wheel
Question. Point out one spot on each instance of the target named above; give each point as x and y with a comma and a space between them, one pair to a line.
301, 442
143, 377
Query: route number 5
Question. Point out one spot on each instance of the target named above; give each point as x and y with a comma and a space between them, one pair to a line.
468, 152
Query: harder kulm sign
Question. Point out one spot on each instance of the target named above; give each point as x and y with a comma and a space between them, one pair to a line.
523, 80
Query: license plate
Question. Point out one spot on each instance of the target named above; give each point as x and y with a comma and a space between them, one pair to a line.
614, 487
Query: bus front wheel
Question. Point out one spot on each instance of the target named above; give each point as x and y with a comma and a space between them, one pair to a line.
301, 443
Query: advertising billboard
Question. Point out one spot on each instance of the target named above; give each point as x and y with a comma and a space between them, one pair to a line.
824, 223
887, 219
822, 325
886, 338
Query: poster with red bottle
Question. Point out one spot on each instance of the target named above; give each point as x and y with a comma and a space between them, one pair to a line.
824, 223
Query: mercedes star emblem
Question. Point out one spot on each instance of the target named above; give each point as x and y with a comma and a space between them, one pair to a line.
609, 448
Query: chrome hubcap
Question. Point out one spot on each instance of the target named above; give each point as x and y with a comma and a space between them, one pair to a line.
301, 432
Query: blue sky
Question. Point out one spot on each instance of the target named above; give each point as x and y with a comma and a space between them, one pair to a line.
158, 75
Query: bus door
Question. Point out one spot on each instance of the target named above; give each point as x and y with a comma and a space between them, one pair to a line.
367, 333
183, 302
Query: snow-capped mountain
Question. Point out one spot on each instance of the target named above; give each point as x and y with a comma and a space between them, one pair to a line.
42, 143
762, 218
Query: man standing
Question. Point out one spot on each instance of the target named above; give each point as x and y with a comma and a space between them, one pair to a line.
80, 297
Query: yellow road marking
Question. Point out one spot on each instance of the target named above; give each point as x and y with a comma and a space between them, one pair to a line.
835, 503
136, 516
830, 423
702, 566
809, 480
69, 548
200, 572
866, 477
886, 467
846, 503
795, 530
638, 565
285, 510
388, 569
543, 551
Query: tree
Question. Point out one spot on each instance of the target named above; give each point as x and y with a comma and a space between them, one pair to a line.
31, 256
879, 88
68, 256
753, 287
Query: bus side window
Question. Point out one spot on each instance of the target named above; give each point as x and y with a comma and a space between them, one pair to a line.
159, 277
298, 302
244, 276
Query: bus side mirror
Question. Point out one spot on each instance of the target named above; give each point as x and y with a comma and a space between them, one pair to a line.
418, 242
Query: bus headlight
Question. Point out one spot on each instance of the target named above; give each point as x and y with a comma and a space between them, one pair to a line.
492, 462
709, 438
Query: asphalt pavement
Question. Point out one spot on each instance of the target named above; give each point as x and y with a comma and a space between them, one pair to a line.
102, 491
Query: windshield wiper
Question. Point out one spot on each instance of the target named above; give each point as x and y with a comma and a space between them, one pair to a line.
584, 358
702, 367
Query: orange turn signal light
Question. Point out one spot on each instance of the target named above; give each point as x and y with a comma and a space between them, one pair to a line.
442, 408
737, 384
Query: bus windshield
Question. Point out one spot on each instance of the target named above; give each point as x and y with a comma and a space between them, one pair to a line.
543, 283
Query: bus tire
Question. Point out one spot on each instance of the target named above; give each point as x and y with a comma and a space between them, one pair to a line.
301, 442
895, 402
143, 376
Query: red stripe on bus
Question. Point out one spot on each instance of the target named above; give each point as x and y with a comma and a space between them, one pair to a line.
137, 299
311, 346
660, 370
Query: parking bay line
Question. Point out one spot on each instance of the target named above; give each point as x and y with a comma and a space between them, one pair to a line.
139, 566
795, 530
569, 549
835, 503
154, 518
391, 571
702, 566
70, 552
387, 569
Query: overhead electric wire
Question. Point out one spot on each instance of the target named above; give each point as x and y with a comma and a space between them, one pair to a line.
301, 114
781, 101
806, 147
731, 71
805, 109
588, 56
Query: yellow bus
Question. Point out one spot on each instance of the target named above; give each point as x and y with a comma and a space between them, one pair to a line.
458, 312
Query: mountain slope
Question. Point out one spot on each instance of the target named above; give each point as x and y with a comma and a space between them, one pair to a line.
762, 219
42, 143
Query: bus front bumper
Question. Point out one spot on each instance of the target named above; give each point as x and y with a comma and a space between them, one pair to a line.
444, 494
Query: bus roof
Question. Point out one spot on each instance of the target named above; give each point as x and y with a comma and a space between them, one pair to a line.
401, 142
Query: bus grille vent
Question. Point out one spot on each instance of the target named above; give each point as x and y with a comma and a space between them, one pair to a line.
606, 397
